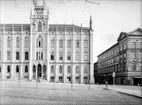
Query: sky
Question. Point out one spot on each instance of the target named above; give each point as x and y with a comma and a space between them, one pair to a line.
109, 18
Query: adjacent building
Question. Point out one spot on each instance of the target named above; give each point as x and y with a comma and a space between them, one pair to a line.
124, 58
52, 52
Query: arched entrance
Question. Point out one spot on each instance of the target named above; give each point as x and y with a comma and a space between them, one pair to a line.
44, 72
39, 71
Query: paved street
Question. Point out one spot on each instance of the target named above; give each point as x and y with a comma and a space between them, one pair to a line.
30, 93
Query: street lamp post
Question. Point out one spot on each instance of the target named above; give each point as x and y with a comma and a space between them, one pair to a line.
113, 75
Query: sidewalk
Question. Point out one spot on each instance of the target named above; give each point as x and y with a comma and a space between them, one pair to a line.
129, 90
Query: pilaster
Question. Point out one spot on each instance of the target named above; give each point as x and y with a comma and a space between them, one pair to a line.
91, 56
21, 53
11, 53
30, 55
2, 53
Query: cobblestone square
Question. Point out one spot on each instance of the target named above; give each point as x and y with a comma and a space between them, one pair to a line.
30, 93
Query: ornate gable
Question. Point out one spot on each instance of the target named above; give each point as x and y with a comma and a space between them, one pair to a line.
121, 36
137, 31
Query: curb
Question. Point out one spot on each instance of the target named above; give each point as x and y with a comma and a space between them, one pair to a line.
129, 94
123, 93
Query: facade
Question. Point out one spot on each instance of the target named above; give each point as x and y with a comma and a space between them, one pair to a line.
124, 58
96, 76
52, 52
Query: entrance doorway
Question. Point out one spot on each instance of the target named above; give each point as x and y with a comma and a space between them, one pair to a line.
39, 71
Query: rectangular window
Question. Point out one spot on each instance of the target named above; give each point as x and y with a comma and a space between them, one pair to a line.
125, 55
77, 56
133, 55
139, 54
26, 56
124, 45
52, 43
69, 44
77, 44
85, 43
0, 43
133, 45
140, 45
8, 55
85, 56
61, 56
0, 55
60, 43
69, 56
121, 48
17, 55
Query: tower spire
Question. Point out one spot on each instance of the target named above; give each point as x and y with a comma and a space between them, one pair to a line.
34, 2
91, 23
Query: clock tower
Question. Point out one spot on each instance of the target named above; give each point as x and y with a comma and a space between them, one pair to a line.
39, 40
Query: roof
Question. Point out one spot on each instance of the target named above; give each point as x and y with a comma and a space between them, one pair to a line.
16, 27
137, 31
52, 27
108, 49
67, 27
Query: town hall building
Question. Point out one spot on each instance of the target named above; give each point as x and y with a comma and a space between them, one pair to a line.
52, 52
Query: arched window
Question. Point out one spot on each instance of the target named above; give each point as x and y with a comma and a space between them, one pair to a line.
34, 68
69, 69
8, 69
26, 69
60, 69
77, 69
85, 69
77, 43
52, 55
52, 69
17, 55
17, 42
39, 26
39, 41
17, 69
26, 41
41, 56
8, 42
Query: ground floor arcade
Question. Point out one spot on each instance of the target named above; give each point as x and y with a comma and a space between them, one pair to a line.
53, 73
